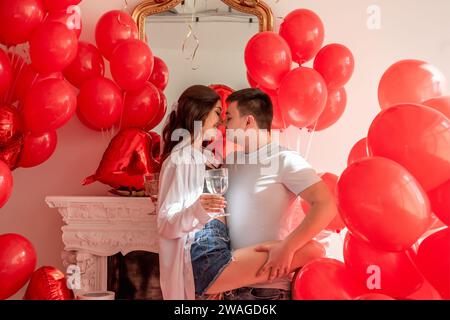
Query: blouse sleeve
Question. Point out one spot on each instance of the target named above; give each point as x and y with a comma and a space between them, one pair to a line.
176, 217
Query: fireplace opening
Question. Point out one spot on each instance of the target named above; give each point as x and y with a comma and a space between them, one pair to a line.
134, 276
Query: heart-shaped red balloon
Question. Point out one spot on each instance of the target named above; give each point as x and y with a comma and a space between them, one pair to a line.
48, 283
126, 160
10, 124
17, 262
10, 153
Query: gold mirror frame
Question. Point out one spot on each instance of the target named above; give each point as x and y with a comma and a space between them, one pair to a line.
254, 7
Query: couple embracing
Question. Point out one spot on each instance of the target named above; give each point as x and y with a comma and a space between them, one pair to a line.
249, 254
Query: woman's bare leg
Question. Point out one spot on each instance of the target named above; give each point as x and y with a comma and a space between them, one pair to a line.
246, 262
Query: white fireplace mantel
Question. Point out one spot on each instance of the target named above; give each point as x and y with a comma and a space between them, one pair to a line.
98, 227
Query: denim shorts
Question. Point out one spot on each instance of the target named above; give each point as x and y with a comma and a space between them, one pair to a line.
210, 254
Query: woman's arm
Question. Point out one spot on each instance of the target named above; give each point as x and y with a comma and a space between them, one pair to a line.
175, 219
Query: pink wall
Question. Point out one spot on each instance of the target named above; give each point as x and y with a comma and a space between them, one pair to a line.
409, 29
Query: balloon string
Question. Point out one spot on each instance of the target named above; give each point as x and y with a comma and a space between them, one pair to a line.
103, 136
281, 114
308, 148
121, 113
15, 61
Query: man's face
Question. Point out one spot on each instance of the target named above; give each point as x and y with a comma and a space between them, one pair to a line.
234, 119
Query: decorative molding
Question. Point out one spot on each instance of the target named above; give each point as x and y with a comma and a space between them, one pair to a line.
98, 227
253, 7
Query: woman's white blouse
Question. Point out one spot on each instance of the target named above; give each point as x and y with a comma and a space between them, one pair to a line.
180, 215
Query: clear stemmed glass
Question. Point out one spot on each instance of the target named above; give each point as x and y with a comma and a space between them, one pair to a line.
151, 181
217, 183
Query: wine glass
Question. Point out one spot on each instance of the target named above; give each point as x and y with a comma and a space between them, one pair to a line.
151, 181
217, 183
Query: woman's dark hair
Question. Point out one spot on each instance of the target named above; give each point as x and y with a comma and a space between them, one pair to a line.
194, 104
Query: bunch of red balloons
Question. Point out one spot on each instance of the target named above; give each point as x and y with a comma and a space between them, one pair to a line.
17, 264
313, 98
394, 190
135, 98
35, 99
38, 87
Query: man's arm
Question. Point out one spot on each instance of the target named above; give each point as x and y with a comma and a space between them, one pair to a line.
323, 210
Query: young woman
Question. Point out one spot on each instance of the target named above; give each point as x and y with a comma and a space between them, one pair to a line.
194, 252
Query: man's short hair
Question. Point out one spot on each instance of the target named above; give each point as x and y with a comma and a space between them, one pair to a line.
254, 102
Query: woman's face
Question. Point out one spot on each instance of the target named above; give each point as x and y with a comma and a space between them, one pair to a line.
212, 122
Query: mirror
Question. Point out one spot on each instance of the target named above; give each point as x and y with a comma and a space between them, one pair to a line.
201, 41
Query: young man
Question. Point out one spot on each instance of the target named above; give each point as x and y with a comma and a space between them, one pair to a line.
263, 181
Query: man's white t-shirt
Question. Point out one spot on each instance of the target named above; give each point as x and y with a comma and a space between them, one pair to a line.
262, 186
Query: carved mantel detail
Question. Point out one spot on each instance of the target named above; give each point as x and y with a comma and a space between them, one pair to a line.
98, 227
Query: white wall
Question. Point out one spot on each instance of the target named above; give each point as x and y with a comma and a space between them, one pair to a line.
409, 29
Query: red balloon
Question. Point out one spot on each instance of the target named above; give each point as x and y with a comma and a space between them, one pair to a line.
48, 283
426, 292
268, 59
334, 108
49, 105
27, 78
52, 5
374, 296
359, 151
9, 154
126, 160
304, 32
335, 63
441, 104
382, 203
140, 106
302, 97
18, 65
161, 112
10, 124
433, 259
37, 148
87, 64
113, 28
100, 103
410, 81
6, 185
330, 179
6, 72
160, 74
18, 19
396, 272
53, 47
324, 279
17, 262
224, 92
70, 18
86, 123
416, 137
440, 202
131, 64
